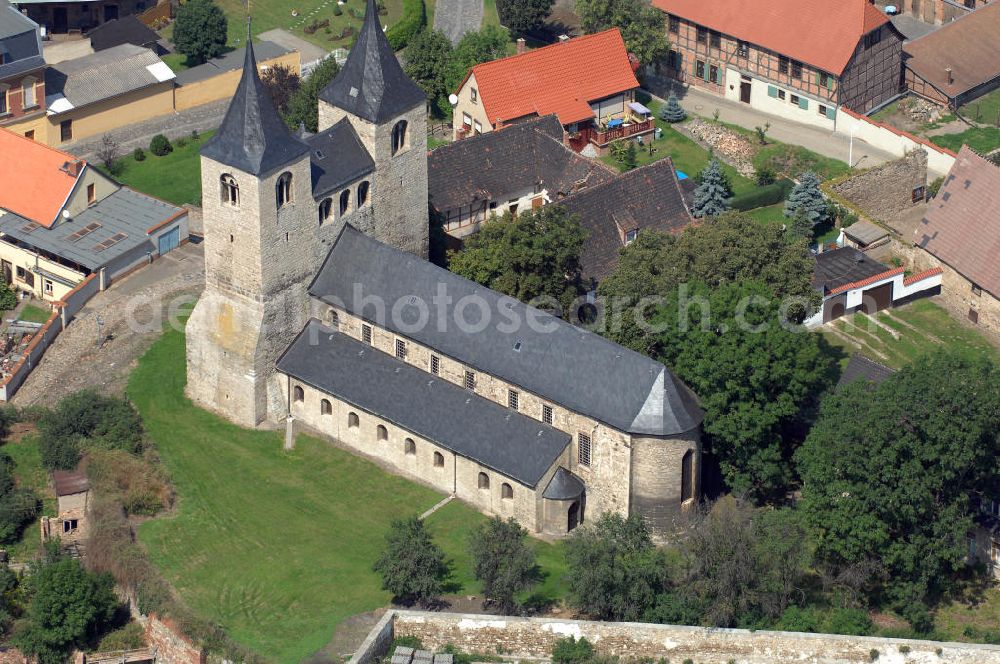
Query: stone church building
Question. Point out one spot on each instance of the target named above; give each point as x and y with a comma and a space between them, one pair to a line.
320, 306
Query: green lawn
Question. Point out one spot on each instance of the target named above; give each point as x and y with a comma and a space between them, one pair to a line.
30, 474
687, 155
980, 139
175, 177
32, 313
986, 109
922, 326
795, 159
772, 214
277, 546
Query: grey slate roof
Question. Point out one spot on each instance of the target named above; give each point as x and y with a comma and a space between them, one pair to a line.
500, 164
372, 84
104, 75
231, 61
843, 266
20, 42
125, 211
253, 137
337, 157
865, 232
433, 408
124, 30
548, 357
643, 199
860, 367
564, 485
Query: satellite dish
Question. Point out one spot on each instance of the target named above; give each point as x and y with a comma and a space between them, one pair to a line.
65, 214
453, 99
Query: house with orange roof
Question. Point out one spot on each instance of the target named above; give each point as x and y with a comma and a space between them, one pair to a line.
61, 220
802, 60
588, 82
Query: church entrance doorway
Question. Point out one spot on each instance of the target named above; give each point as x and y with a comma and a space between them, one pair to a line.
573, 519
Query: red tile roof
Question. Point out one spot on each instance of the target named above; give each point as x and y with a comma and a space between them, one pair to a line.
969, 46
562, 78
920, 276
962, 223
818, 32
854, 285
32, 182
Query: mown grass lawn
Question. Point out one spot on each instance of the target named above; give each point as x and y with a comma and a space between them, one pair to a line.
922, 326
980, 139
32, 313
986, 109
277, 546
174, 177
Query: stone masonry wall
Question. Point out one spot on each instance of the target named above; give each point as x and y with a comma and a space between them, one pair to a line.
534, 637
608, 476
169, 646
886, 191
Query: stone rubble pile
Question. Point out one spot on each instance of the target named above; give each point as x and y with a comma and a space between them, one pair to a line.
919, 110
734, 148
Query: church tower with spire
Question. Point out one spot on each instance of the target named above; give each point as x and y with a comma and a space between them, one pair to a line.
389, 113
259, 219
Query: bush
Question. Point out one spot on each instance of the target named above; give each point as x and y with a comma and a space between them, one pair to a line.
571, 651
934, 187
413, 21
771, 194
852, 622
766, 176
87, 419
181, 142
795, 619
8, 298
128, 637
139, 154
337, 11
160, 145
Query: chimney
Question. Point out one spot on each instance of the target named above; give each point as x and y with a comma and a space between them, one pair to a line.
563, 38
72, 168
522, 45
951, 78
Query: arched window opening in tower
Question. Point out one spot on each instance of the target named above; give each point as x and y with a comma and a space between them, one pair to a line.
363, 193
230, 190
399, 137
283, 190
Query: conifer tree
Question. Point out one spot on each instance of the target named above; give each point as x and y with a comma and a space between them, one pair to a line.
672, 112
711, 197
801, 226
807, 196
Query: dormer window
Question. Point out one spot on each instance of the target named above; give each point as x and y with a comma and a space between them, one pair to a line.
230, 191
631, 236
283, 190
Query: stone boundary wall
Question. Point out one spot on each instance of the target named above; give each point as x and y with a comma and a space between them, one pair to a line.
534, 637
167, 643
898, 142
885, 192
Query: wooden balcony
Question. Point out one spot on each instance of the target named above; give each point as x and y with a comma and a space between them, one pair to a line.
603, 138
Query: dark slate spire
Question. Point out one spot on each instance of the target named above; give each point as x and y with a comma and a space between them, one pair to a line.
372, 85
253, 137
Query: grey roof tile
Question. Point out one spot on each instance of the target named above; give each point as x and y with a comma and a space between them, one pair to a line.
125, 211
337, 157
430, 407
104, 75
124, 30
564, 485
559, 362
843, 266
253, 137
372, 84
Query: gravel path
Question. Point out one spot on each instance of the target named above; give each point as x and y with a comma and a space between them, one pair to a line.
200, 118
456, 17
132, 311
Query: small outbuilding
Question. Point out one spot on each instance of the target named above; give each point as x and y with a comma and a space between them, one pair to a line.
72, 489
863, 235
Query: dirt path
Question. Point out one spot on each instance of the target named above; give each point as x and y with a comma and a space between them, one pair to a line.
132, 312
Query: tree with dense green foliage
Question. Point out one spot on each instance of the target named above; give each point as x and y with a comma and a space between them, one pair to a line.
744, 565
802, 225
503, 562
533, 255
87, 419
427, 61
710, 197
641, 25
807, 198
672, 111
724, 251
200, 31
615, 571
67, 607
523, 15
8, 298
412, 566
160, 145
571, 651
413, 21
758, 379
8, 598
303, 106
281, 82
888, 471
489, 43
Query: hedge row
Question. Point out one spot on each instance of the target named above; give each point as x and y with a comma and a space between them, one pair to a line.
763, 196
413, 21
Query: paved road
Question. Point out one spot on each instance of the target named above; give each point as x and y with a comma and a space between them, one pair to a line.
200, 118
821, 141
456, 17
307, 50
